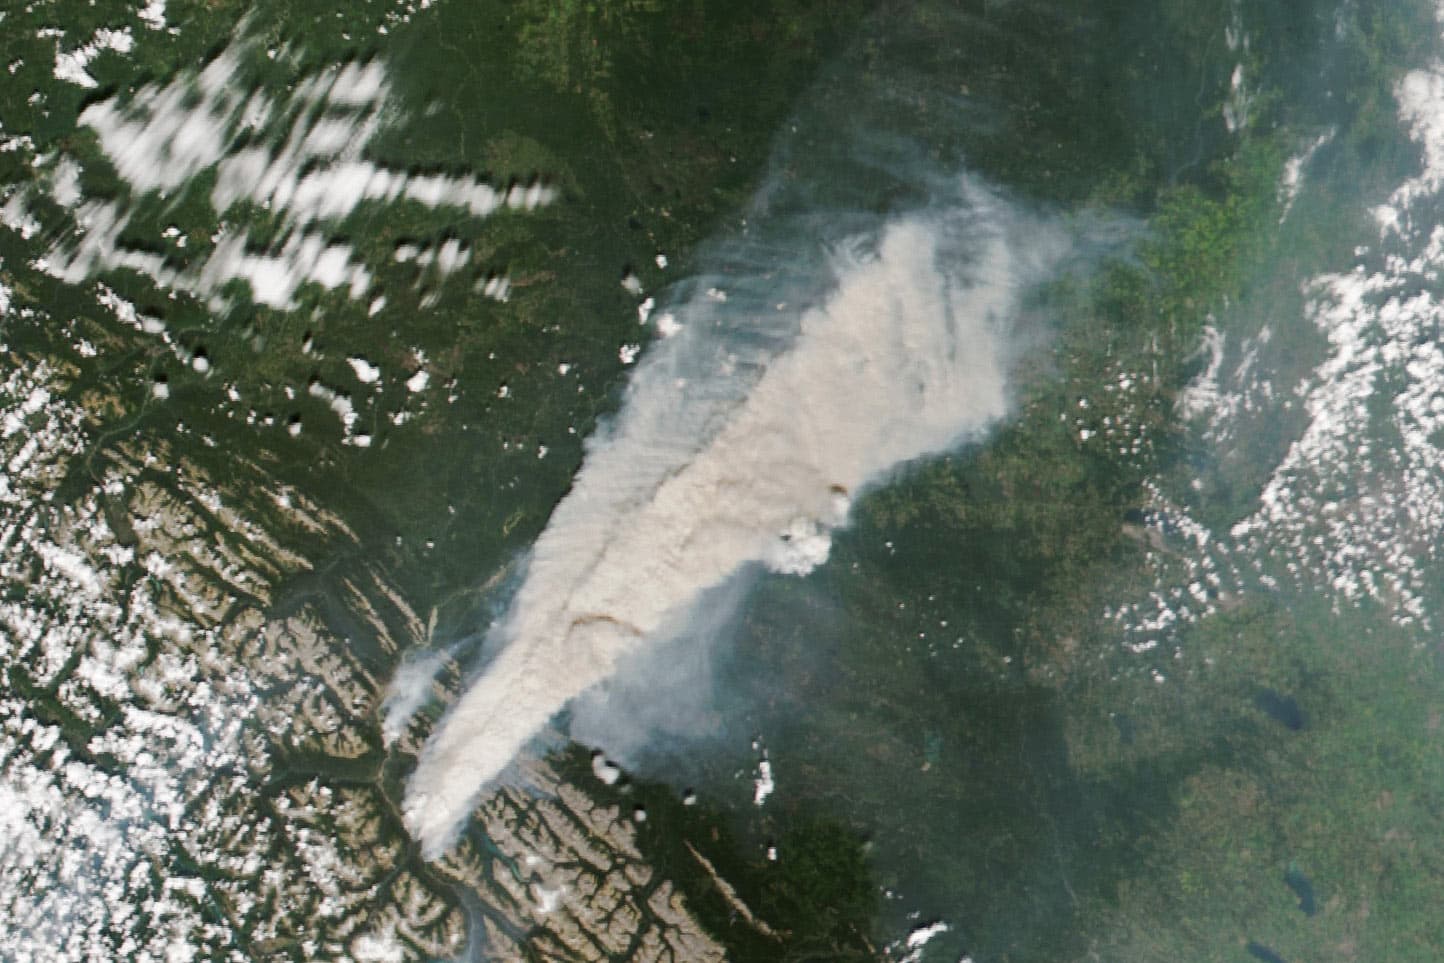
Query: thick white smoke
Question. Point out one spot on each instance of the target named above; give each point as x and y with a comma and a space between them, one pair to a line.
741, 441
409, 690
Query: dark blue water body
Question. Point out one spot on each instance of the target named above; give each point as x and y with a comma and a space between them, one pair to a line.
1260, 952
1303, 888
1281, 708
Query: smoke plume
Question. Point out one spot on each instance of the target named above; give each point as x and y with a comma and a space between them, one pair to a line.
742, 441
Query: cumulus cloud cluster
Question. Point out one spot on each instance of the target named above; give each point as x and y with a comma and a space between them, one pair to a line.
298, 157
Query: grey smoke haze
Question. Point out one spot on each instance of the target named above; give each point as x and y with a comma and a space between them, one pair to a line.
667, 694
410, 689
865, 313
741, 442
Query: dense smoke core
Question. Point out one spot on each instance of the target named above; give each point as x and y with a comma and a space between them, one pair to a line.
741, 441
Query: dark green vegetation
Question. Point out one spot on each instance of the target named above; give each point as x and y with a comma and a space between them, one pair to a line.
944, 689
816, 902
1341, 815
632, 110
633, 114
947, 687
